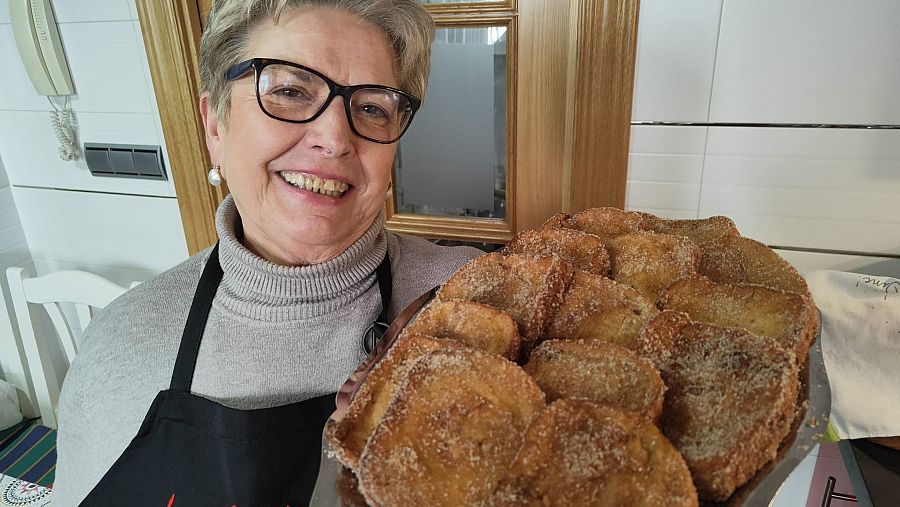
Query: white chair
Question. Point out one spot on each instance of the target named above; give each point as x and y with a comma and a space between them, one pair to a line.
82, 289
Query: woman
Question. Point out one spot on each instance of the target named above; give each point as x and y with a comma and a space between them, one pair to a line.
302, 268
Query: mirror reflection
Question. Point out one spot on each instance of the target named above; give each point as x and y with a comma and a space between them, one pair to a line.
452, 161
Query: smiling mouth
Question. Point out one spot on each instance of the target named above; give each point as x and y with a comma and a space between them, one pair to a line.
310, 183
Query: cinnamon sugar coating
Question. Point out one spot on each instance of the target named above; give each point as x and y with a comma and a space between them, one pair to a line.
528, 288
580, 452
597, 308
582, 250
473, 324
606, 222
650, 261
598, 371
451, 432
788, 318
730, 402
701, 230
736, 259
349, 436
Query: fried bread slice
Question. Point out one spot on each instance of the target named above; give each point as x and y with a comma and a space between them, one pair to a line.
701, 230
582, 250
598, 371
451, 432
786, 317
473, 324
349, 435
656, 339
736, 259
527, 288
580, 452
597, 308
650, 261
730, 402
557, 221
606, 222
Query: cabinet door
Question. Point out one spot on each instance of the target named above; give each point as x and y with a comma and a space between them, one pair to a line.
528, 114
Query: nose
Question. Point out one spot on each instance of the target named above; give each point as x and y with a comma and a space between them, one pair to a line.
330, 134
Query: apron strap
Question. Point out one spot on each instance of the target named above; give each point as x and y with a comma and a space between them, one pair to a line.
186, 361
383, 275
376, 329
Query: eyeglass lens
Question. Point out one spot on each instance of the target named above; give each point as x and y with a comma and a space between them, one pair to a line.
294, 94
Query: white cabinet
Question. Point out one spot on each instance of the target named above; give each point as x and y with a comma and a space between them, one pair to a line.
808, 61
676, 52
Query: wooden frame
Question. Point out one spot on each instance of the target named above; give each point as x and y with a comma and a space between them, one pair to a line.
604, 47
488, 230
171, 31
571, 133
476, 8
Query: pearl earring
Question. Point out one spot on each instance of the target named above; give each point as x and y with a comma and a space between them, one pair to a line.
214, 176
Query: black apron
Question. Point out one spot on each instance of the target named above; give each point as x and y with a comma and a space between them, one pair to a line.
191, 451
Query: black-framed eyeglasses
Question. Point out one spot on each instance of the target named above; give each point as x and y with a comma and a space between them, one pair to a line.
293, 93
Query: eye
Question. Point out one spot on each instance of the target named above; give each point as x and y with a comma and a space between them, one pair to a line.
293, 93
374, 111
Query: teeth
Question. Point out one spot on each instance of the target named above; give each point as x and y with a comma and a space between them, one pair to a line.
311, 183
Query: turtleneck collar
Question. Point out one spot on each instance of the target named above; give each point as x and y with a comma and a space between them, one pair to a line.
255, 288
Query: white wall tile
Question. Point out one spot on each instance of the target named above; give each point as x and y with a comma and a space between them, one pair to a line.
12, 238
4, 11
16, 91
69, 11
665, 140
808, 61
817, 233
29, 150
806, 262
107, 67
9, 217
676, 52
813, 188
17, 255
806, 142
666, 154
127, 232
850, 205
4, 180
670, 196
664, 170
145, 65
132, 9
845, 159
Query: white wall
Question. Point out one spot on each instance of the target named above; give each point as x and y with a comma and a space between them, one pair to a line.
55, 214
13, 252
824, 195
124, 229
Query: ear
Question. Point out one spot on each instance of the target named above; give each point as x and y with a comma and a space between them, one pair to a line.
214, 130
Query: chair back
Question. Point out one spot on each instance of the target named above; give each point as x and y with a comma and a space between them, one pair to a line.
85, 291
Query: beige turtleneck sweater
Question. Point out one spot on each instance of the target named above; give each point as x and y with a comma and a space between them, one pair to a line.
275, 335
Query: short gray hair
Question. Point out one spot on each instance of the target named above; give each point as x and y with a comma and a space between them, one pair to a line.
231, 24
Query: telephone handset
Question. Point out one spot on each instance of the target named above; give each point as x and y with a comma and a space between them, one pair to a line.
34, 28
37, 38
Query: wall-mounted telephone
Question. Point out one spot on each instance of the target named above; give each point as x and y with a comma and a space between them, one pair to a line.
34, 27
37, 38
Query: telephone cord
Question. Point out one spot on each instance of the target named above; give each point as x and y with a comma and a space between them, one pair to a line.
63, 121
